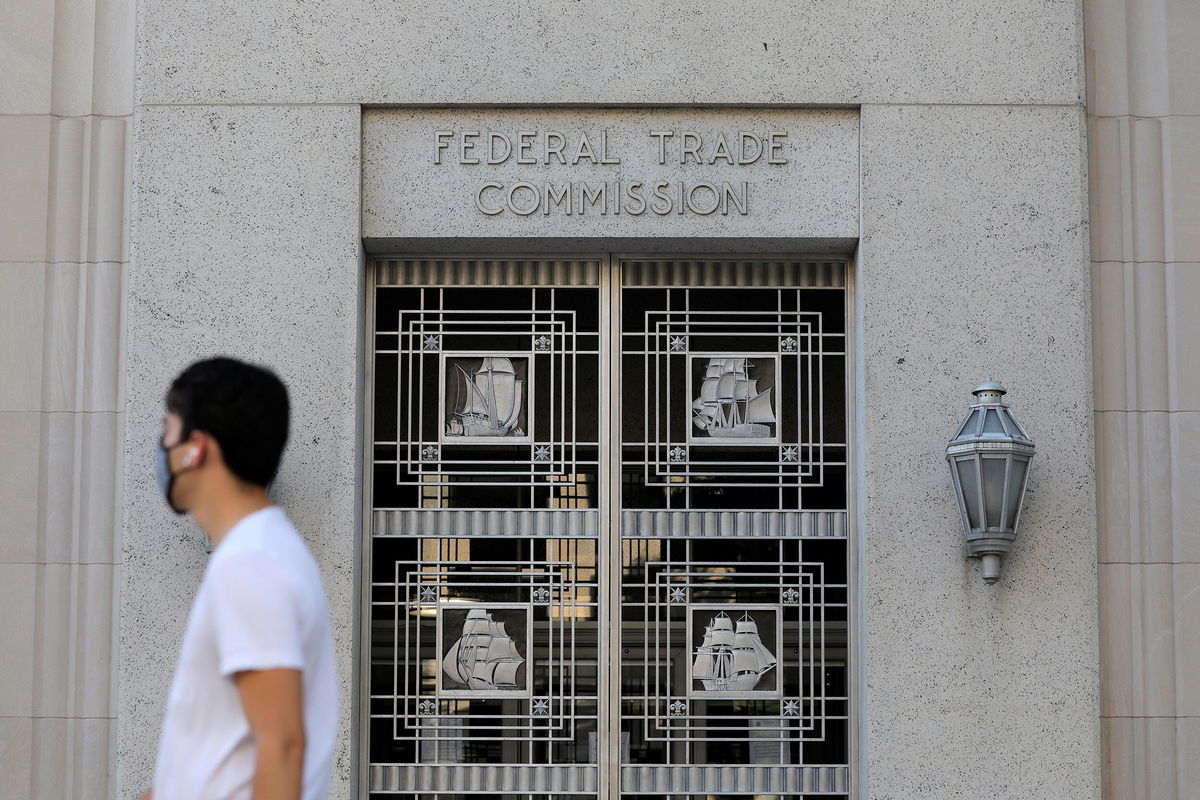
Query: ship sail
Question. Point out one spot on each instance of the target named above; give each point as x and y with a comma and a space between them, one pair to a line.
450, 663
722, 630
730, 659
727, 387
492, 400
759, 408
484, 656
729, 405
475, 403
703, 666
505, 673
515, 409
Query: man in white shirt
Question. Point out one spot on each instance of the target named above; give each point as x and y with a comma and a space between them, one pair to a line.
252, 713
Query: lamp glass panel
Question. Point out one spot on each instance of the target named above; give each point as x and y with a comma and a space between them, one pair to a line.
1012, 501
993, 489
968, 481
1010, 425
992, 424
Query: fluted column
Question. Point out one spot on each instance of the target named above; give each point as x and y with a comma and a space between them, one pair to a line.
1144, 148
66, 98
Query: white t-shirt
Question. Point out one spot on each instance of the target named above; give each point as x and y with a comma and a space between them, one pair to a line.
260, 606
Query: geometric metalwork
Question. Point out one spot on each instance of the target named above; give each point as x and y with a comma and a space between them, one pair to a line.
485, 397
487, 659
780, 610
722, 645
471, 522
734, 397
740, 780
482, 780
551, 614
684, 524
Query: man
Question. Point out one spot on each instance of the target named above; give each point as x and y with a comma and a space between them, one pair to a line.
252, 713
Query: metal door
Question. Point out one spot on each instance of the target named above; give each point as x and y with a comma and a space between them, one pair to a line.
606, 547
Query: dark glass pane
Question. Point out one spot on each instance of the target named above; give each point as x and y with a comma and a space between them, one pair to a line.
993, 489
1012, 499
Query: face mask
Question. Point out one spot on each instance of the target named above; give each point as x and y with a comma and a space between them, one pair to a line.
166, 478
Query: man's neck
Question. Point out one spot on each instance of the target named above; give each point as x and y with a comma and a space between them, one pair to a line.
225, 509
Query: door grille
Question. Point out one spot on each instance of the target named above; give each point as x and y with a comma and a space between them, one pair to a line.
607, 545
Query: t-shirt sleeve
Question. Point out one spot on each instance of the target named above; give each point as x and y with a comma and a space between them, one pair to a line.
256, 615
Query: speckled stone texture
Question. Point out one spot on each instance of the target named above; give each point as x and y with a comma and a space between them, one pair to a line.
662, 53
973, 266
245, 243
407, 194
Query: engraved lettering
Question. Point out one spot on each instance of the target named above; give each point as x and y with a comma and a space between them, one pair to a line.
703, 210
594, 195
466, 146
441, 137
721, 150
583, 149
616, 196
662, 137
524, 145
605, 158
745, 138
689, 145
742, 203
479, 199
492, 157
660, 195
633, 194
512, 200
558, 197
560, 142
775, 147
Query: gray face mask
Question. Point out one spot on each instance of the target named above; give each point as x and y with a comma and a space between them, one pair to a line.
164, 476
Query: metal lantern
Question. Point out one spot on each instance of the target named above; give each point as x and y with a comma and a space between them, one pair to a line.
989, 460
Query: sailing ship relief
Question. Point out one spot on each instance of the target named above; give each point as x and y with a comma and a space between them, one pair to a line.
489, 400
730, 406
484, 657
731, 659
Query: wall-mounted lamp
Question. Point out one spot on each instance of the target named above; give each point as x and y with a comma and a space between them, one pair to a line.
989, 460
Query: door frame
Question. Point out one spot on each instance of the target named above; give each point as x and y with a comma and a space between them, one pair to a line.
609, 483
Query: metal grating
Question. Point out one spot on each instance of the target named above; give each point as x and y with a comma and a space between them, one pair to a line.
481, 659
741, 658
486, 272
734, 524
727, 273
706, 780
443, 523
548, 497
482, 779
734, 398
493, 402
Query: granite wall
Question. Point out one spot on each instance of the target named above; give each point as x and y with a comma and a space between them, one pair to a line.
246, 239
972, 265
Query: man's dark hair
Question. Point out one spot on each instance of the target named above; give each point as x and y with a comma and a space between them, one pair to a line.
243, 406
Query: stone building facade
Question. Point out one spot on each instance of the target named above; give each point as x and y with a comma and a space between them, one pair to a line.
999, 191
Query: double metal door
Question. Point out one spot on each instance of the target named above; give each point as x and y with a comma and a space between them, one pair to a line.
606, 542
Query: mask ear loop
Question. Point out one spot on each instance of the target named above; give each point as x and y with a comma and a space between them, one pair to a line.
189, 461
194, 454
